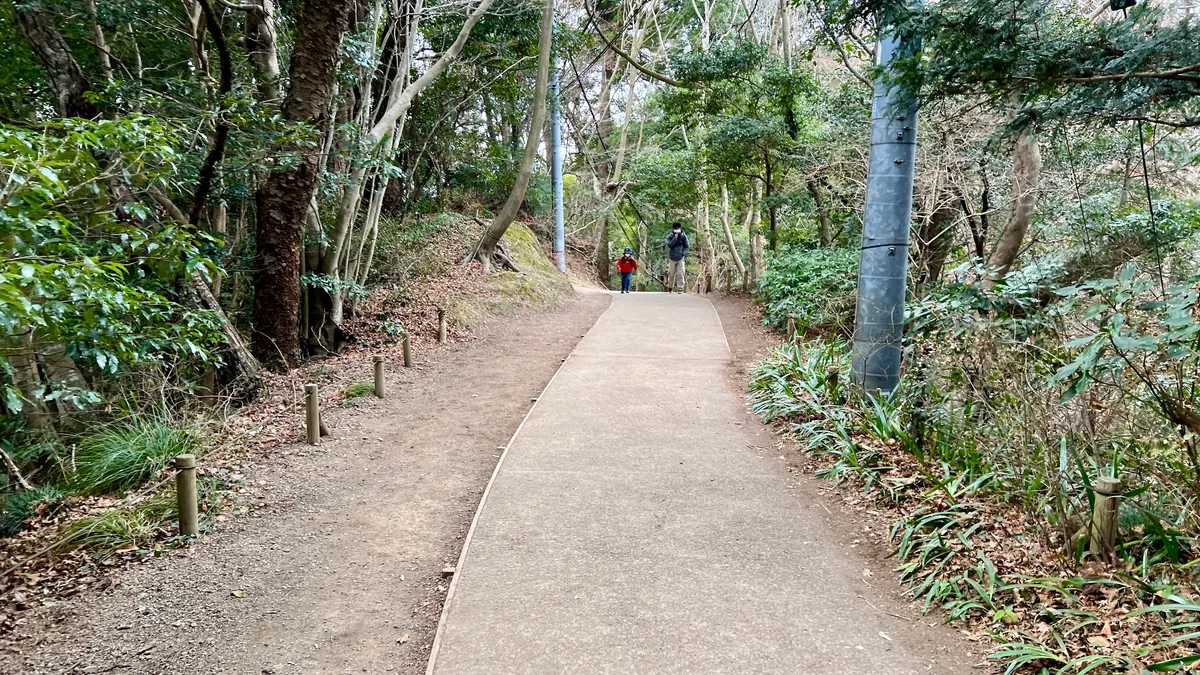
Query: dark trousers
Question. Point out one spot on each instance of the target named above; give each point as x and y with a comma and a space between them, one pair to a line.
625, 277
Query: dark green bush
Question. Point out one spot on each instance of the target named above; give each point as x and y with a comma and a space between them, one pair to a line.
18, 506
817, 285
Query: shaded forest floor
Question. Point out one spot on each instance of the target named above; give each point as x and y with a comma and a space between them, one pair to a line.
304, 580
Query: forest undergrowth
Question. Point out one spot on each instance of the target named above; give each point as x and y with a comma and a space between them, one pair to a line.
989, 490
109, 500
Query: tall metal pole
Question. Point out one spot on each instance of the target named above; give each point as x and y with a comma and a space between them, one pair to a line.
883, 262
556, 164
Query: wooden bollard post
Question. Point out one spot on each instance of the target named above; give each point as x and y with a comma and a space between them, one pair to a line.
379, 376
728, 282
746, 282
185, 495
312, 414
791, 328
441, 326
1102, 541
406, 345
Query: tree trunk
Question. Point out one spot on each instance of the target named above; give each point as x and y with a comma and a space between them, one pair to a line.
246, 369
757, 241
219, 221
733, 252
499, 225
785, 32
603, 258
708, 252
824, 232
284, 198
101, 44
401, 103
1026, 163
196, 30
632, 75
768, 187
22, 358
261, 49
935, 238
53, 54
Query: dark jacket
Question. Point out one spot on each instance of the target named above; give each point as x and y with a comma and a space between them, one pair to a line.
677, 246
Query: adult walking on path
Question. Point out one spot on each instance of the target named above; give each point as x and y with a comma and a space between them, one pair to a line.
644, 533
677, 250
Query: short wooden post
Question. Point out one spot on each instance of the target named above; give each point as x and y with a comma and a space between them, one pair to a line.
185, 495
791, 328
746, 282
379, 376
312, 414
1102, 541
406, 345
728, 282
441, 326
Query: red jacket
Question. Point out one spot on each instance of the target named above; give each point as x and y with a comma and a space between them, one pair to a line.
626, 264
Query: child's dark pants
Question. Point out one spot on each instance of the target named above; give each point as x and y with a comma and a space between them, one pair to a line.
625, 277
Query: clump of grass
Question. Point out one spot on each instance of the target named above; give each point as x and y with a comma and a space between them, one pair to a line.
17, 507
107, 532
359, 389
126, 453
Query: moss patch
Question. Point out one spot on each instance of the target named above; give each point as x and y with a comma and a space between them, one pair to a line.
538, 284
359, 389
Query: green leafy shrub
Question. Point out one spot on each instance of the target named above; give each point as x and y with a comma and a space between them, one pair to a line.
74, 274
816, 285
126, 453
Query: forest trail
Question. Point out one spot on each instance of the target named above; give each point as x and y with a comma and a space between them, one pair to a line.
338, 566
633, 527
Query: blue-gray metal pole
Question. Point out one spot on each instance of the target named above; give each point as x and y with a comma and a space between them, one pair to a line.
556, 165
883, 263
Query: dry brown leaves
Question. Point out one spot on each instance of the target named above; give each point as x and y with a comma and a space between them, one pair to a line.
1087, 606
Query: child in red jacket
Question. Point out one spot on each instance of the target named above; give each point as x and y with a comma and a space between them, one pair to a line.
626, 265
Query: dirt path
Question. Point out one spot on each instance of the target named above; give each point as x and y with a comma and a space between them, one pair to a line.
640, 522
855, 530
339, 571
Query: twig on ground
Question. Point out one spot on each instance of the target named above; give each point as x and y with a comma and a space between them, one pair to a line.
884, 611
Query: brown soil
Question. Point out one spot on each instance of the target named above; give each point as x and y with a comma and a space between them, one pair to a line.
854, 525
338, 566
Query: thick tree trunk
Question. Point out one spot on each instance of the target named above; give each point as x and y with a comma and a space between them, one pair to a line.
284, 198
1026, 163
499, 225
53, 54
733, 252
